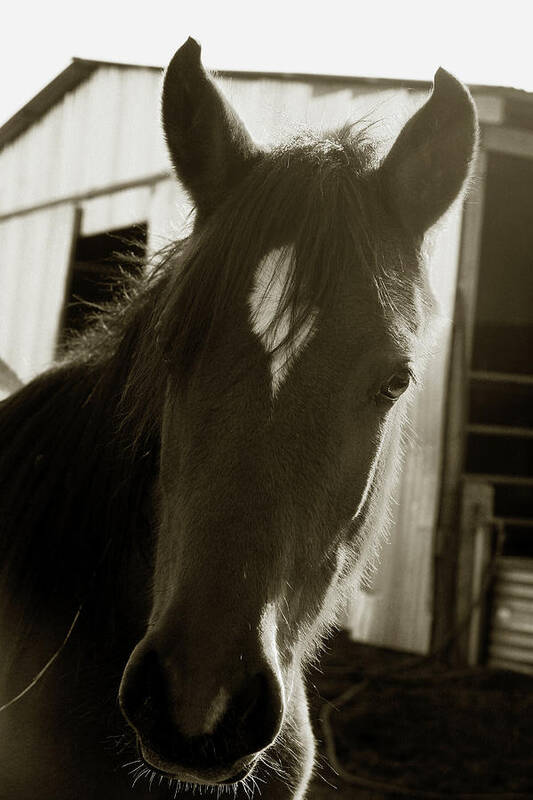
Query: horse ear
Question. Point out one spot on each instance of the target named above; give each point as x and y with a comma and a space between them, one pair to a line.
429, 162
208, 144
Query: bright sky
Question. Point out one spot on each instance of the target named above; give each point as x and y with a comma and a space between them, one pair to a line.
481, 41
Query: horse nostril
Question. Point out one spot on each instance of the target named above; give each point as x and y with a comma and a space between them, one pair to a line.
256, 712
143, 691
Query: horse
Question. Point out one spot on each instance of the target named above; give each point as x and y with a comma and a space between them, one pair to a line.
188, 495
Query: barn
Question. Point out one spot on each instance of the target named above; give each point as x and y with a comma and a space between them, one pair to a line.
85, 179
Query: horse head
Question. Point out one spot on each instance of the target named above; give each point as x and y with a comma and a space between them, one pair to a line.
291, 333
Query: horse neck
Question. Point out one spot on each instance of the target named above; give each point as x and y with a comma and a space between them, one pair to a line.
72, 488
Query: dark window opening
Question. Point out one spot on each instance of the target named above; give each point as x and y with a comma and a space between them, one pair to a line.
101, 267
500, 402
513, 501
517, 541
499, 454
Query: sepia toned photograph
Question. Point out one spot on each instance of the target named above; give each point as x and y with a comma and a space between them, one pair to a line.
266, 401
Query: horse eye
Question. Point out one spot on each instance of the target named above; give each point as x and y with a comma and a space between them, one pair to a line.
395, 386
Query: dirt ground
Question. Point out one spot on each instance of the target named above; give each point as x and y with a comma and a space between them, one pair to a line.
424, 731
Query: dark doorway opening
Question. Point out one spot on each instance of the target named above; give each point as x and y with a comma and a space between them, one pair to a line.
102, 266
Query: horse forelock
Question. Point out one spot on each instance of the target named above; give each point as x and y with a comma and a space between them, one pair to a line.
307, 217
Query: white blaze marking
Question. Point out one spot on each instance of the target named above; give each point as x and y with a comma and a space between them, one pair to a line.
216, 712
271, 277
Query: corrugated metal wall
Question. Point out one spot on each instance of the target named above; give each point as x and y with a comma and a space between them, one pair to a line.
106, 133
34, 253
511, 628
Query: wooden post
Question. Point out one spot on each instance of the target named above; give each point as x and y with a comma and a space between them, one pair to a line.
76, 227
472, 575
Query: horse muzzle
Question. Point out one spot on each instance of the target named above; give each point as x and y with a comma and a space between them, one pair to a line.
225, 747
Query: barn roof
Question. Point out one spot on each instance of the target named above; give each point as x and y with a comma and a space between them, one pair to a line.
81, 68
72, 76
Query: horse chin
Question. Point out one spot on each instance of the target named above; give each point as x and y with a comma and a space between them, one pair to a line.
209, 777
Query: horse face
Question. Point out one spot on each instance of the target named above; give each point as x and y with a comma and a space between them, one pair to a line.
275, 445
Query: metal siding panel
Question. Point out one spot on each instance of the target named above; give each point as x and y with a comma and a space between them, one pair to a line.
511, 625
269, 108
274, 109
138, 130
170, 214
514, 666
8, 177
39, 159
490, 109
511, 653
381, 112
12, 238
32, 279
34, 255
117, 210
73, 150
518, 639
103, 108
49, 305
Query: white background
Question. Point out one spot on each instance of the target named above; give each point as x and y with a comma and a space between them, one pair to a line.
481, 42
